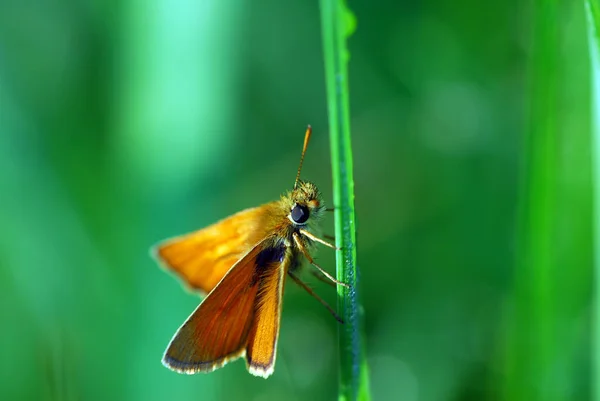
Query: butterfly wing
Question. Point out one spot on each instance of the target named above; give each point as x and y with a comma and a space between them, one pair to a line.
216, 332
261, 349
241, 315
203, 257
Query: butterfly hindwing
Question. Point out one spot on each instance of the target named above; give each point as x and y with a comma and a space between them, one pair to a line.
203, 257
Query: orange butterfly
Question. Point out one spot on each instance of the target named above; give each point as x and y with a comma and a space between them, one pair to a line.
242, 263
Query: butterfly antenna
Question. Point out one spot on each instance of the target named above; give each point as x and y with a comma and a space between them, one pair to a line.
306, 139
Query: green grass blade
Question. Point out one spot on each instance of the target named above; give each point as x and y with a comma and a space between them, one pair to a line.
530, 350
553, 245
337, 23
593, 23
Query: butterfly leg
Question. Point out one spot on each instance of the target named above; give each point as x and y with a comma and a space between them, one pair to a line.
318, 298
321, 277
317, 239
302, 249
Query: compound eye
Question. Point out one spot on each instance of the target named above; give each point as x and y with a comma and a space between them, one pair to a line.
299, 214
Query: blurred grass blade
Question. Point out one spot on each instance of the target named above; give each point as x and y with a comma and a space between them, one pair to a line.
530, 351
552, 272
593, 23
337, 23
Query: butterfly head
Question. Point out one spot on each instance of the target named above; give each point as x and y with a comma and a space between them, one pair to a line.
304, 204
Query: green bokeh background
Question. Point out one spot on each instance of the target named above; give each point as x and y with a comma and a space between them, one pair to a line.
123, 123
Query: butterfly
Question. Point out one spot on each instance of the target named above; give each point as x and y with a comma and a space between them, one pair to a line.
242, 263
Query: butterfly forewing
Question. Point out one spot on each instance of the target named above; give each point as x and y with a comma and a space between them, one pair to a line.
264, 331
203, 257
217, 330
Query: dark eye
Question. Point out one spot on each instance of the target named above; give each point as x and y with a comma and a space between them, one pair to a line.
299, 214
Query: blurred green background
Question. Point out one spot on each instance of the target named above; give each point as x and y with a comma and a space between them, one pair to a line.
123, 123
